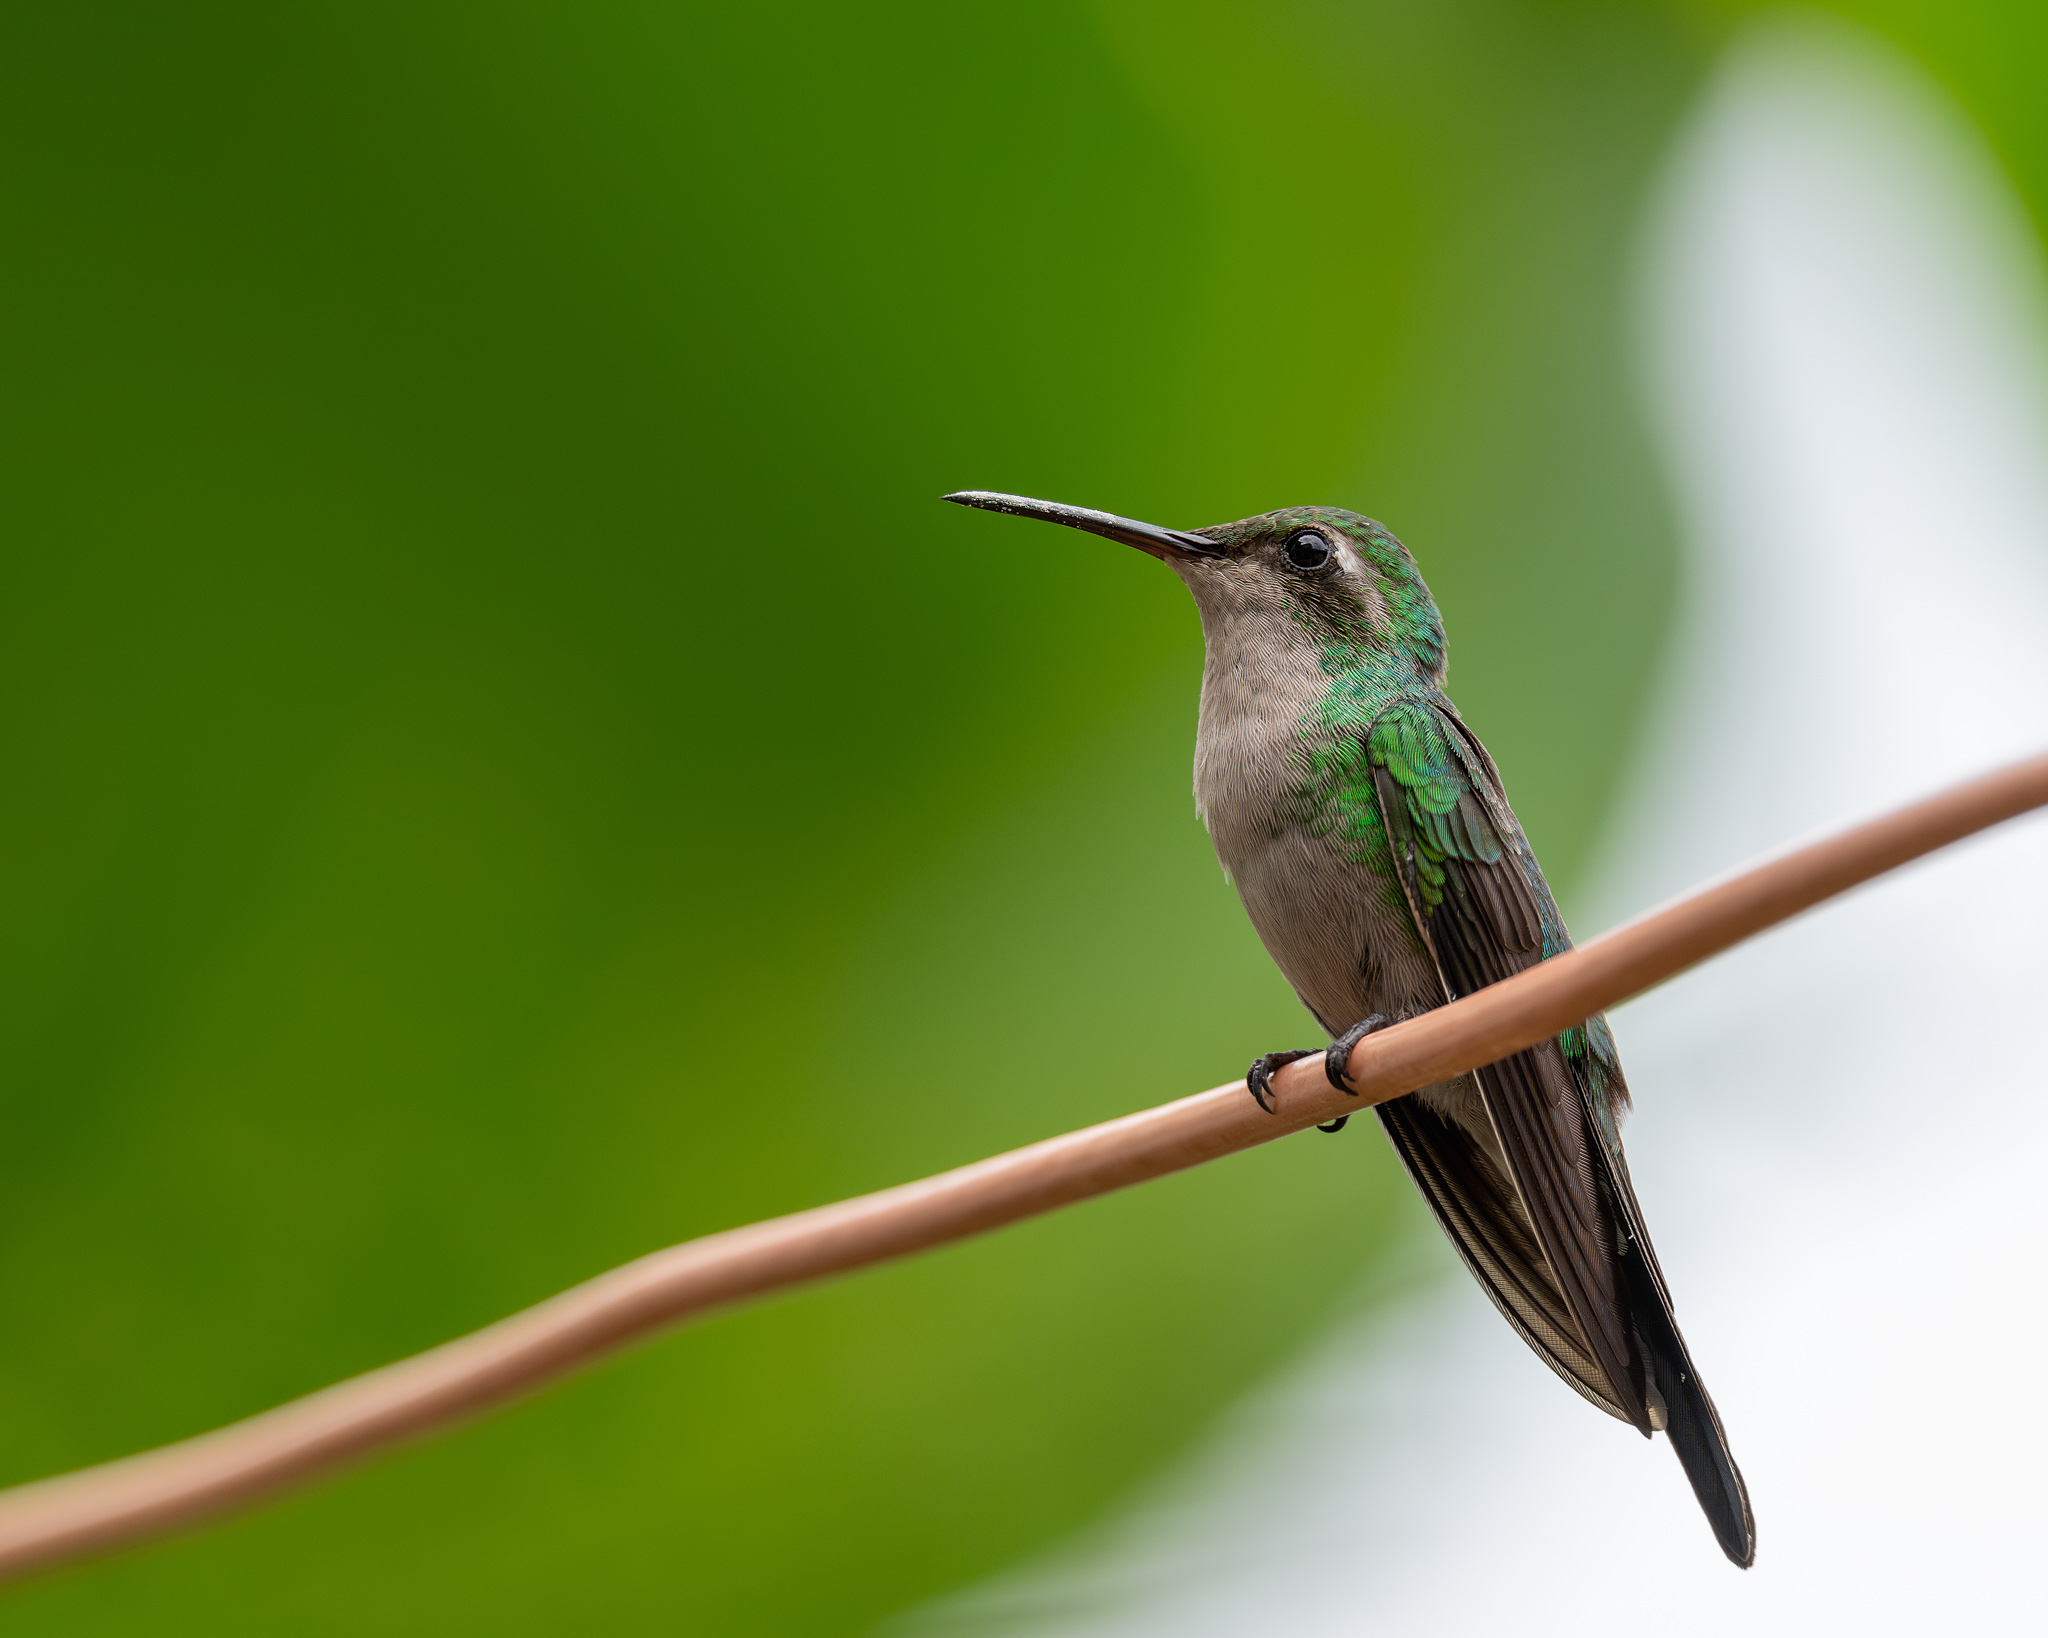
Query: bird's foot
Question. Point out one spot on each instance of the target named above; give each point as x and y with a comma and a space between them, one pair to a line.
1339, 1055
1258, 1079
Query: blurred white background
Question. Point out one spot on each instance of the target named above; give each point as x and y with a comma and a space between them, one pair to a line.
1838, 1126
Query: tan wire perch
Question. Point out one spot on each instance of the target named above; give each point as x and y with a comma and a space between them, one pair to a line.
99, 1508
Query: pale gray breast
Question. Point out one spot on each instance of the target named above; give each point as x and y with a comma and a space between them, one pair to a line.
1347, 945
1328, 922
1248, 755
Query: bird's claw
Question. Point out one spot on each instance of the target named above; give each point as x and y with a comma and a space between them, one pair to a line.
1258, 1080
1339, 1055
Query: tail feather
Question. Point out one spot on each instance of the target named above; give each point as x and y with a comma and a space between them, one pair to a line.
1690, 1420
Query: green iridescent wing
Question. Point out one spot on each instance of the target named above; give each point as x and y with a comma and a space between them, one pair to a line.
1547, 1221
1527, 1218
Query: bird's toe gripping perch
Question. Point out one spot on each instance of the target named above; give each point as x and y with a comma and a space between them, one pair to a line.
1258, 1079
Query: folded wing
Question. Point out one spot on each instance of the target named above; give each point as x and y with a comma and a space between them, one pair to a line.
1555, 1236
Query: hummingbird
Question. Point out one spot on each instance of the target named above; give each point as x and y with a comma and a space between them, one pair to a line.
1367, 832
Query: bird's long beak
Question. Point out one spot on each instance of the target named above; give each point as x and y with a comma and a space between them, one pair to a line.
1164, 544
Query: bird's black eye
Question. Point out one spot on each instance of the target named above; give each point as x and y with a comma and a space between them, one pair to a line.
1305, 549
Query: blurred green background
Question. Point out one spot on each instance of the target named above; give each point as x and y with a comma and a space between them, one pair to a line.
509, 764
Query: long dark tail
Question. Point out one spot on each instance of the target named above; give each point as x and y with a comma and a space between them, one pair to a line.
1691, 1421
1477, 1208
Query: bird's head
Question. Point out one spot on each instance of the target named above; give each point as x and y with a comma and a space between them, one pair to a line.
1305, 576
